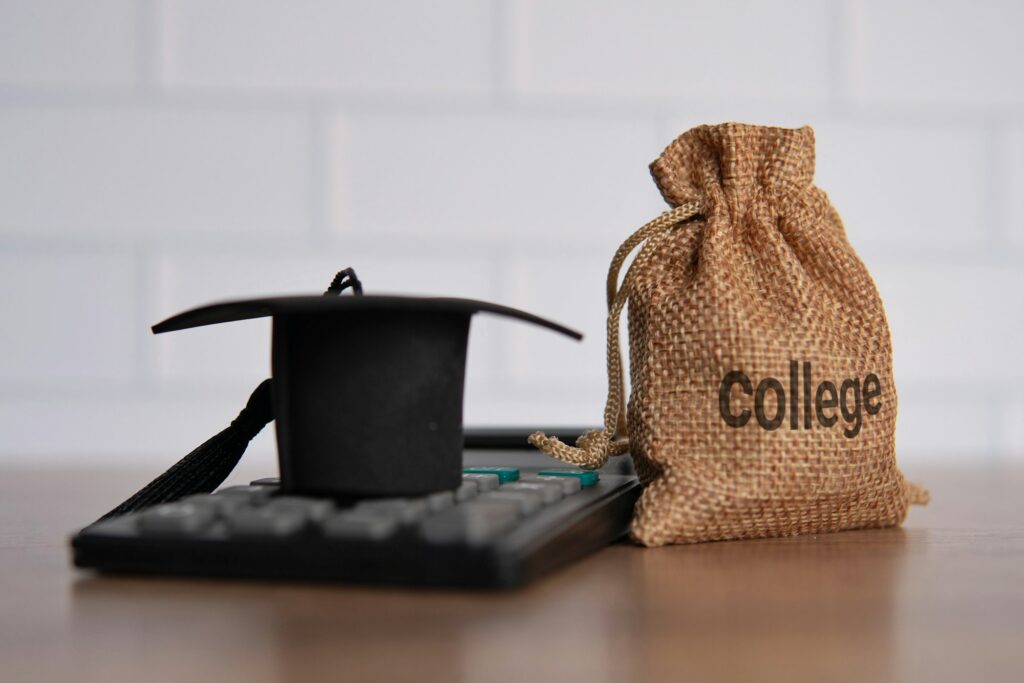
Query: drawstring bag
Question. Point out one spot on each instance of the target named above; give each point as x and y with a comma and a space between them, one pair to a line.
762, 400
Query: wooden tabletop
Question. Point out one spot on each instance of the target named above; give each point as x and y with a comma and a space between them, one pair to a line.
941, 599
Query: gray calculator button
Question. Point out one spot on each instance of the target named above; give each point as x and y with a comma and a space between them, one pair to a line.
264, 521
467, 489
484, 482
550, 493
221, 504
177, 518
252, 493
527, 501
315, 509
353, 524
439, 501
405, 510
474, 522
570, 485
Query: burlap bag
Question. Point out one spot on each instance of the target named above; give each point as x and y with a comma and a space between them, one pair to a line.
762, 400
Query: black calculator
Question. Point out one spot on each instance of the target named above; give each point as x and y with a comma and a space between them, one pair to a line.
505, 525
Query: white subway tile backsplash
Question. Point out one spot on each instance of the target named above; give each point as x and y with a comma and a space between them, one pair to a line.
152, 172
126, 430
493, 179
443, 46
913, 188
946, 52
1012, 182
50, 43
159, 155
669, 49
570, 289
934, 428
1011, 445
497, 405
954, 323
68, 320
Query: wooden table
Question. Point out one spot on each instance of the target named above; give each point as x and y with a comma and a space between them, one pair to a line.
942, 599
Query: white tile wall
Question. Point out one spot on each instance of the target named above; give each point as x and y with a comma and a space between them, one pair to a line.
69, 43
491, 179
954, 323
670, 49
946, 52
68, 320
1011, 418
908, 186
140, 431
159, 155
562, 286
152, 171
943, 426
1012, 170
443, 46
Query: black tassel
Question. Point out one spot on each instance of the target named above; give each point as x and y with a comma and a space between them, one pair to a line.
206, 467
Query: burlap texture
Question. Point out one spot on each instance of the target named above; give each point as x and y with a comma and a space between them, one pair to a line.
761, 277
765, 276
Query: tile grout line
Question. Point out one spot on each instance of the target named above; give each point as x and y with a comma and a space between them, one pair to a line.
562, 107
997, 135
318, 139
844, 46
500, 65
149, 45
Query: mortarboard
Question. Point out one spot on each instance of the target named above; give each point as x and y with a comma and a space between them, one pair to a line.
366, 393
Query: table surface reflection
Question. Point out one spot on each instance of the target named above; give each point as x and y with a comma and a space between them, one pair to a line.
940, 599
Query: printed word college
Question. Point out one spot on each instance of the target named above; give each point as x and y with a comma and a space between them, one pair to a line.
851, 399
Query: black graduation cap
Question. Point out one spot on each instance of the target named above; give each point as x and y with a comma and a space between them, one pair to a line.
366, 391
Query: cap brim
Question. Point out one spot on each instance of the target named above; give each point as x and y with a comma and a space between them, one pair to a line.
247, 309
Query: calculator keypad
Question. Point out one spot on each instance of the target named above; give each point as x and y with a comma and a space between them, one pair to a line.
499, 527
473, 523
266, 521
356, 525
488, 502
180, 518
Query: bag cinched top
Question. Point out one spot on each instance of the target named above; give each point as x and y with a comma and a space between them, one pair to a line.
762, 400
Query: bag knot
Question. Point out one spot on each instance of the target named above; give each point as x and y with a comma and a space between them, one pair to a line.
592, 449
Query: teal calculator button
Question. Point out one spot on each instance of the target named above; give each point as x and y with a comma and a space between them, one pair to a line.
505, 474
587, 478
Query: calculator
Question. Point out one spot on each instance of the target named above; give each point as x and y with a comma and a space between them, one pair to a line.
504, 525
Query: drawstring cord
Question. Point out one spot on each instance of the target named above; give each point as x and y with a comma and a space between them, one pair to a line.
593, 448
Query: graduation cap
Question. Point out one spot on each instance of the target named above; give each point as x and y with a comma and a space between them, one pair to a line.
366, 393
